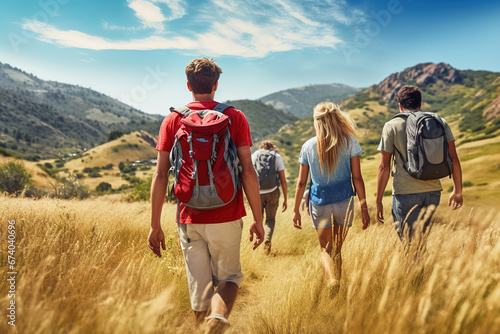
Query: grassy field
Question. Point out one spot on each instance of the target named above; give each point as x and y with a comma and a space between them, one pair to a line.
84, 267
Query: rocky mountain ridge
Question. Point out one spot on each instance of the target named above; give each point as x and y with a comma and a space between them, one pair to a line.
421, 74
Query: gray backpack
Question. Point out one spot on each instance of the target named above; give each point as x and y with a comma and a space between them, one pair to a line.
265, 166
427, 146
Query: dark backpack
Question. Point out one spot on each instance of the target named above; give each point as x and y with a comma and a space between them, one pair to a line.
427, 146
265, 166
203, 159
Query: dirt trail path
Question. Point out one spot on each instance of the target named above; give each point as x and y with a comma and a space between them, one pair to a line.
256, 286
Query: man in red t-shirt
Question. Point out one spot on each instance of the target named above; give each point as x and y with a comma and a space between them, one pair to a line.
210, 238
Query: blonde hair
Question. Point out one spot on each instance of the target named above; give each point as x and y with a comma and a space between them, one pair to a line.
267, 145
334, 129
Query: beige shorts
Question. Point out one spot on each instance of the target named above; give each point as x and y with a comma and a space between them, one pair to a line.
324, 216
212, 254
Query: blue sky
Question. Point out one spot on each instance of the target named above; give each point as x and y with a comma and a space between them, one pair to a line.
137, 50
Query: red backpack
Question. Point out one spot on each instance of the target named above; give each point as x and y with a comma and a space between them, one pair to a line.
203, 159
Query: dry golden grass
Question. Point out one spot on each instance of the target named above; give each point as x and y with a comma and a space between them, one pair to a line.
84, 267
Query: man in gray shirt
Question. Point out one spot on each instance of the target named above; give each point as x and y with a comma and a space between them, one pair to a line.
411, 195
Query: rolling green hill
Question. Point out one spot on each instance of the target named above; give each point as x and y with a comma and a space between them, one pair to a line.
134, 149
263, 119
40, 119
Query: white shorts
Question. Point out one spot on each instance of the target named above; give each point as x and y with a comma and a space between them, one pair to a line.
324, 216
212, 254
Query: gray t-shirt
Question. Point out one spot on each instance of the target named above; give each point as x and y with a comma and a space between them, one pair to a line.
394, 135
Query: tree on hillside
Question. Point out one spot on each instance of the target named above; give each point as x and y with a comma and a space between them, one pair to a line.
72, 188
115, 134
103, 187
14, 177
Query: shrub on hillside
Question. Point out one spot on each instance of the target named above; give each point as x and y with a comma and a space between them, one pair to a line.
94, 174
115, 134
72, 188
14, 177
103, 187
141, 191
34, 192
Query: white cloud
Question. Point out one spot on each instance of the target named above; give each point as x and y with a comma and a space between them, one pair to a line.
238, 28
176, 8
149, 14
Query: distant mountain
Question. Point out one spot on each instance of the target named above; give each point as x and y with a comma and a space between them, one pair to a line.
40, 118
263, 119
301, 101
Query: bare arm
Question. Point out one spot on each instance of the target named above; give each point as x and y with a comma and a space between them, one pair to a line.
251, 188
156, 237
284, 187
384, 171
359, 183
456, 200
299, 192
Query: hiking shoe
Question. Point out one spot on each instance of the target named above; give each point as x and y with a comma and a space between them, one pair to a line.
216, 324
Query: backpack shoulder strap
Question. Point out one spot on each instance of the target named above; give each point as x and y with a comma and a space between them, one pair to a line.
403, 115
183, 111
221, 107
438, 118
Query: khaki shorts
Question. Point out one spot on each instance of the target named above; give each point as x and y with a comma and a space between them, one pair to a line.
324, 216
212, 254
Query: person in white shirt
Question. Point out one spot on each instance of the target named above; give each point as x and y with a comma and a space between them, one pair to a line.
271, 172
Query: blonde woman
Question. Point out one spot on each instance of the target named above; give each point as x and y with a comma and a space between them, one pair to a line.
332, 157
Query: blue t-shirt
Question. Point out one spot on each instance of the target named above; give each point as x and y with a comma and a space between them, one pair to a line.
333, 188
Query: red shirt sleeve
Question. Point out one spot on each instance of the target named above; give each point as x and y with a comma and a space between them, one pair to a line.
168, 128
240, 130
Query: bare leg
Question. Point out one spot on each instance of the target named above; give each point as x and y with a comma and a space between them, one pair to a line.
339, 237
222, 303
325, 239
325, 242
329, 265
224, 298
